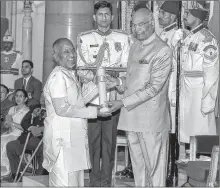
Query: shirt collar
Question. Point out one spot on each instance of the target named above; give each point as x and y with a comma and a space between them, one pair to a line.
198, 28
170, 27
149, 40
27, 78
104, 33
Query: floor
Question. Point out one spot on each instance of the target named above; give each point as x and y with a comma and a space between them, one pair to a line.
120, 181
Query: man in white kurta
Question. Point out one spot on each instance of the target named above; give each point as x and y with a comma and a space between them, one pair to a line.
107, 48
10, 63
65, 139
199, 76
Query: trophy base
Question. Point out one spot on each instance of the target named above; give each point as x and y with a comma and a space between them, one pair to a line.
104, 109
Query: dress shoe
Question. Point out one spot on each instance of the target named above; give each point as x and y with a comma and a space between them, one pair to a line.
40, 171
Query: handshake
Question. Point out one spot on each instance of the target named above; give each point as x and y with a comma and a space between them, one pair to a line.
111, 106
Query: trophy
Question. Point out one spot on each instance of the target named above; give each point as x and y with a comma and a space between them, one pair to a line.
101, 74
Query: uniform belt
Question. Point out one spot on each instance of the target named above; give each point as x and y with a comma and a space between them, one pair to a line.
193, 73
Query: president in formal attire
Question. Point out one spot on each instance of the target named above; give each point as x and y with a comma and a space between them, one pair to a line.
145, 105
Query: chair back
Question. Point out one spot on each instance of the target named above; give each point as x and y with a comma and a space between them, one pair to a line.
211, 181
202, 144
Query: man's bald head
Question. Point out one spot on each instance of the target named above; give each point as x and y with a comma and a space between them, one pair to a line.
60, 43
64, 53
144, 13
143, 23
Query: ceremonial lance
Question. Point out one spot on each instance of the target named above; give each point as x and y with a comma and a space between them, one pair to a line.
177, 100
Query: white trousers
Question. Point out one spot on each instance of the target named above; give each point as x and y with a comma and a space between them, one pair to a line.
75, 179
149, 154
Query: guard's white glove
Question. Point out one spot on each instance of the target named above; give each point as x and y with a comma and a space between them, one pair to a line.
178, 35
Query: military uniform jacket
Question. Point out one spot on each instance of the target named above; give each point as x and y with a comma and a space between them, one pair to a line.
199, 84
108, 49
146, 105
10, 65
166, 35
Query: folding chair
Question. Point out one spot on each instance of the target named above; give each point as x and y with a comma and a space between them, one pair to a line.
203, 173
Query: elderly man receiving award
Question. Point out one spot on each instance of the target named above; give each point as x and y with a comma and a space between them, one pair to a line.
66, 153
99, 48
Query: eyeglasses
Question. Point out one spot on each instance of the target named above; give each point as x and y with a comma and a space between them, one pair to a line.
142, 24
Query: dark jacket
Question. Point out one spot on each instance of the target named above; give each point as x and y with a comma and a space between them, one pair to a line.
34, 86
26, 123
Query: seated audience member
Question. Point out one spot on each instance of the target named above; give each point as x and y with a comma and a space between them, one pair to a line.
5, 105
33, 122
29, 83
13, 124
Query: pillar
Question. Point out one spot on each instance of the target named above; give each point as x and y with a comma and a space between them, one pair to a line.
64, 19
3, 9
27, 32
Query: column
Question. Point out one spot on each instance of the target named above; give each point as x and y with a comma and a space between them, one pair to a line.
64, 19
27, 31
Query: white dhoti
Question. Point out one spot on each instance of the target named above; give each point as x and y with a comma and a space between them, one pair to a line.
149, 154
75, 179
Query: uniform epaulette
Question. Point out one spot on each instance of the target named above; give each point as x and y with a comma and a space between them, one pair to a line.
208, 36
120, 31
86, 32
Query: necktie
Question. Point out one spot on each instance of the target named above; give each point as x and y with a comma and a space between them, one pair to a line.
24, 83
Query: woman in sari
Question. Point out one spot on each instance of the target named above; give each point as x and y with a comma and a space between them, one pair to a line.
13, 124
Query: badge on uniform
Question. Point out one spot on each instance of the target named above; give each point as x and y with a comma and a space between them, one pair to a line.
193, 46
118, 46
210, 52
93, 45
143, 61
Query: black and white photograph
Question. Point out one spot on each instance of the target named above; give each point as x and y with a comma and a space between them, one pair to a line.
110, 93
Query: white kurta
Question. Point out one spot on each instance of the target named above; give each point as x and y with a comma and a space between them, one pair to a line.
65, 139
199, 84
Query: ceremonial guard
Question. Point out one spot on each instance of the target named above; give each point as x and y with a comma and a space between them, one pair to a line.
10, 63
199, 75
167, 19
107, 48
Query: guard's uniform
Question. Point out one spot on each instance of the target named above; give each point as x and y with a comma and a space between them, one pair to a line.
108, 49
10, 64
199, 84
166, 35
